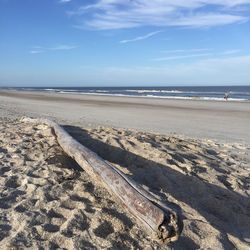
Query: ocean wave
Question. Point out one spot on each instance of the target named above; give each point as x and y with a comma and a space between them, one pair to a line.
49, 89
239, 93
153, 91
197, 98
158, 97
145, 92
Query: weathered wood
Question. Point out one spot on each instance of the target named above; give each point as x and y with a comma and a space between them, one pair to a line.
155, 216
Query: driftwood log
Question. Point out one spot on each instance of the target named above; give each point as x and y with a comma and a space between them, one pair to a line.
160, 221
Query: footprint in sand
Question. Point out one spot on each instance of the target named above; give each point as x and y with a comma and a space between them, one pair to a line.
4, 170
21, 241
104, 230
51, 228
4, 231
13, 182
77, 224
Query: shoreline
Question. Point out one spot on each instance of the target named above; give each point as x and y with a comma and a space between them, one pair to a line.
188, 98
224, 121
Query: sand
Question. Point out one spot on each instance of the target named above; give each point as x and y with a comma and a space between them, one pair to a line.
48, 202
226, 121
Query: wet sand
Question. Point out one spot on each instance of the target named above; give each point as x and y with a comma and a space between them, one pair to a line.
225, 121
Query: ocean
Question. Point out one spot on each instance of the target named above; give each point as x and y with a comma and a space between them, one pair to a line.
235, 93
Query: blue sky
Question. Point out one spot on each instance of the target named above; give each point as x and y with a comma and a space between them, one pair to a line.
124, 42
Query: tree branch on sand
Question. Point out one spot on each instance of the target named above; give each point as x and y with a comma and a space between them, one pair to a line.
155, 217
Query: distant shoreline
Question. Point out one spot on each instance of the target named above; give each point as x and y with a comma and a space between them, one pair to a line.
206, 93
132, 97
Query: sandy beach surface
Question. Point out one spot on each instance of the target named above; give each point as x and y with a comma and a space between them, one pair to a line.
192, 154
227, 121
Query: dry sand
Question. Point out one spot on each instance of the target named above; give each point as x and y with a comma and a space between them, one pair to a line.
47, 202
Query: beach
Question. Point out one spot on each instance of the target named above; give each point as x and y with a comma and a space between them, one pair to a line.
226, 121
193, 154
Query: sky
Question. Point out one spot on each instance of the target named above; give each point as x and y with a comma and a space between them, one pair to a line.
124, 42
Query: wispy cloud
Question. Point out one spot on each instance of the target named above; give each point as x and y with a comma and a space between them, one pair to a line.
36, 51
119, 14
41, 49
230, 52
185, 54
63, 47
181, 57
139, 38
186, 50
64, 1
209, 71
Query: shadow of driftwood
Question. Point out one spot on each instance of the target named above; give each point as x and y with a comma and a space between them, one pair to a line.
225, 210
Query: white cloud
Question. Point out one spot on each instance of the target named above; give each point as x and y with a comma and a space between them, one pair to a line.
36, 51
118, 14
63, 47
64, 1
186, 50
184, 54
139, 38
181, 57
41, 49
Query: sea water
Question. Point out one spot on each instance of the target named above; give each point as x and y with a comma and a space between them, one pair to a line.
235, 93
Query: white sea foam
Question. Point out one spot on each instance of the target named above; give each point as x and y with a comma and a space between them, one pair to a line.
59, 90
49, 89
153, 91
158, 97
197, 98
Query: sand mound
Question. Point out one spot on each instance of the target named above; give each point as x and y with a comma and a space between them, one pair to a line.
46, 200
